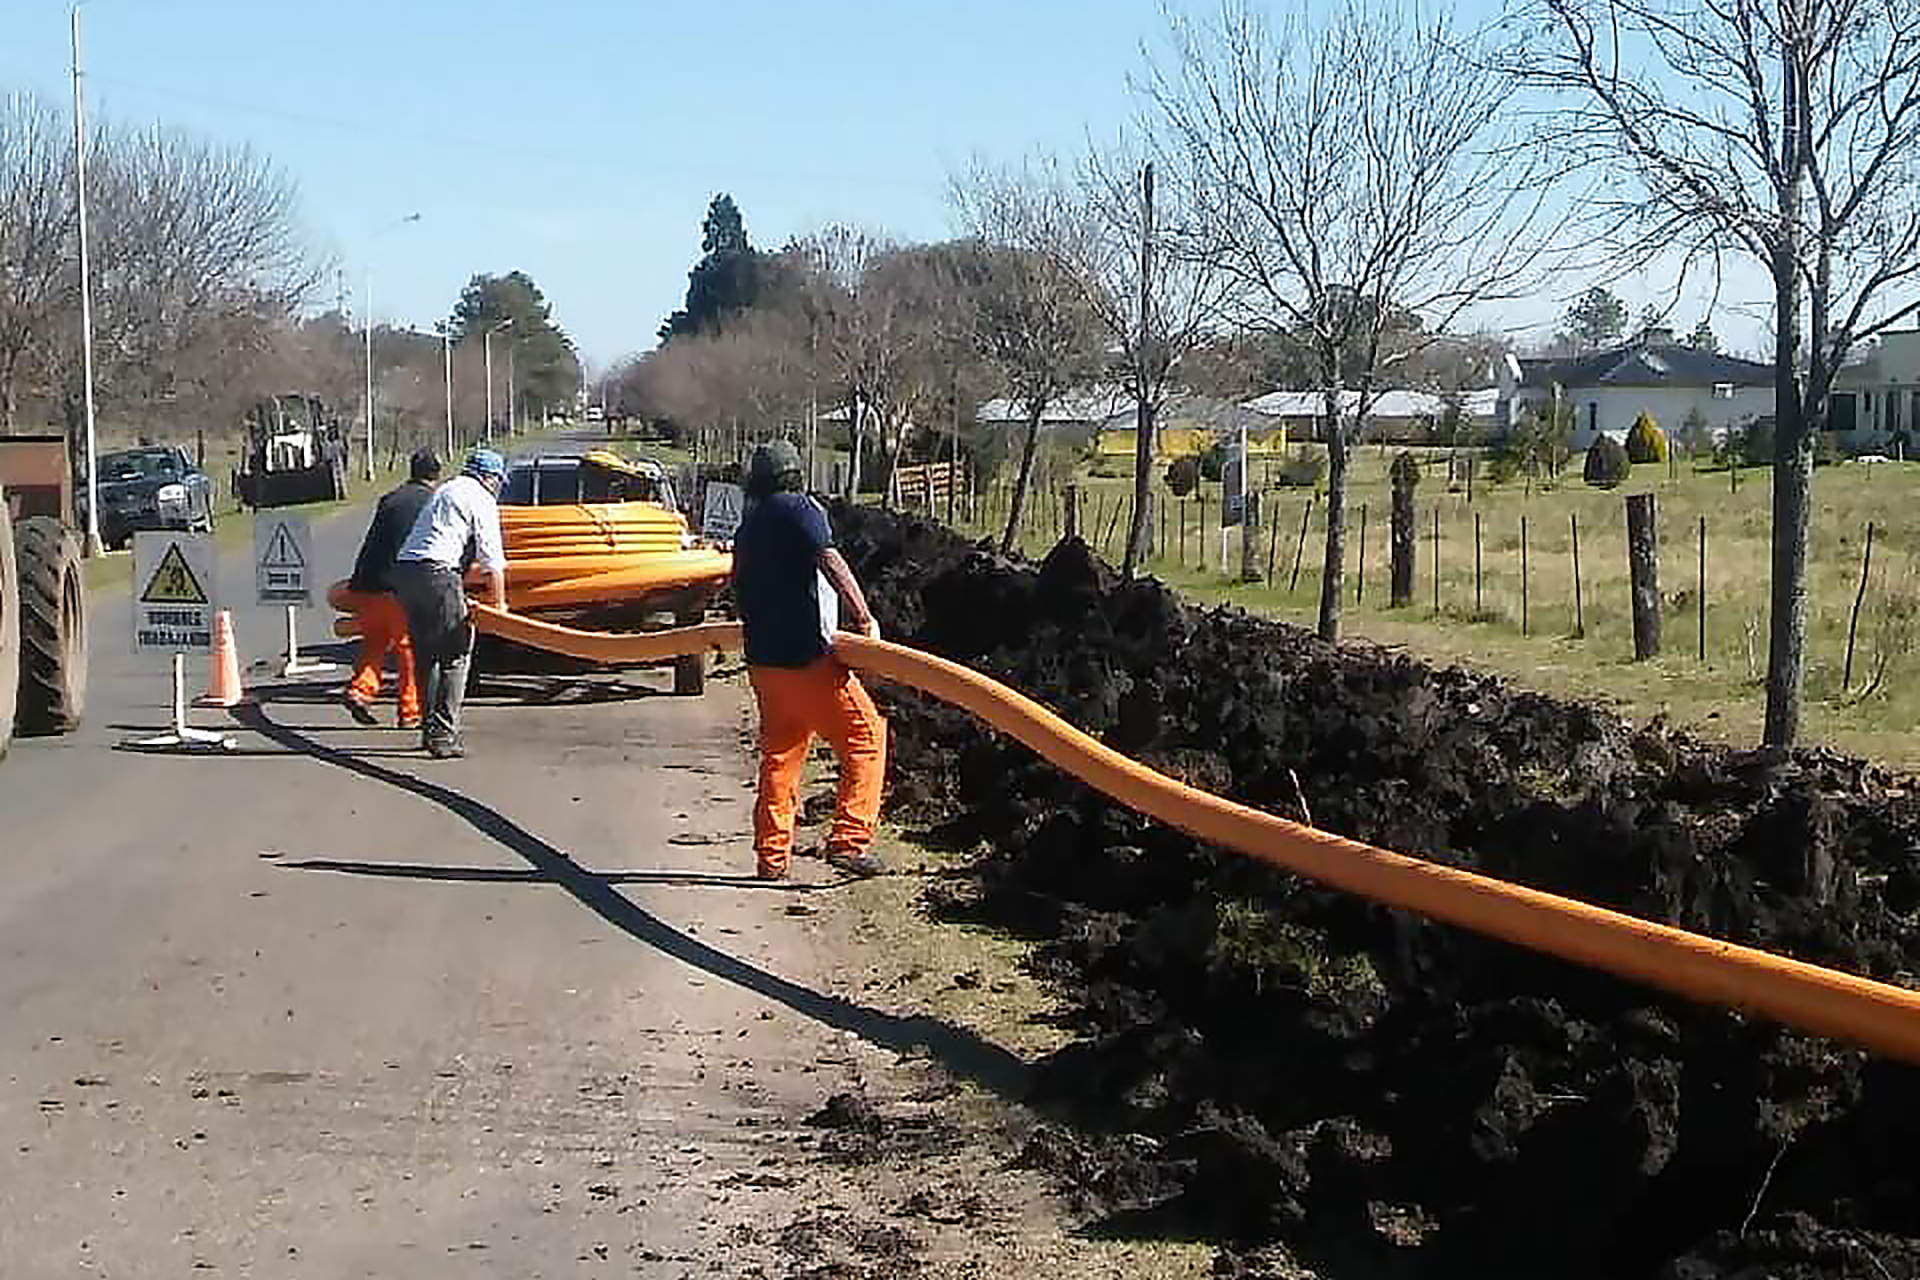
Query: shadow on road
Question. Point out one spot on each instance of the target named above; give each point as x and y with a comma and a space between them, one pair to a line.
958, 1050
516, 875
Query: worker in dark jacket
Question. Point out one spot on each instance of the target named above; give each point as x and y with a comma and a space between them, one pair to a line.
790, 583
383, 623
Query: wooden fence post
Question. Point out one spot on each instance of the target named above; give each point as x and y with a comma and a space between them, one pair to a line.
1579, 609
1300, 547
1479, 610
1523, 575
1703, 588
1161, 546
1436, 559
1183, 533
1406, 475
1360, 561
1071, 503
1250, 537
1203, 527
1273, 541
1643, 565
1859, 597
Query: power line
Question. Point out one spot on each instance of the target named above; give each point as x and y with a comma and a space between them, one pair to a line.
458, 142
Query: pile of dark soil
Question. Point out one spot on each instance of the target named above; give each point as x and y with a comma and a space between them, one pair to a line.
1273, 1062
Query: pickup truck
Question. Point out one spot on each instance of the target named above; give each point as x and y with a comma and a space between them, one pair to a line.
155, 487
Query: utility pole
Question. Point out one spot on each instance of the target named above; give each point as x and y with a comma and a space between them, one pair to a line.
86, 294
512, 424
367, 325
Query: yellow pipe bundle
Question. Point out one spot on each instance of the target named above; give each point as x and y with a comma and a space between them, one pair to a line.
589, 554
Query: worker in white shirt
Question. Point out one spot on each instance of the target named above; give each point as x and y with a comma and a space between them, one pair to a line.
458, 529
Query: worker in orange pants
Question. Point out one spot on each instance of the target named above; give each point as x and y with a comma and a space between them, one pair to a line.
383, 631
369, 597
796, 703
789, 582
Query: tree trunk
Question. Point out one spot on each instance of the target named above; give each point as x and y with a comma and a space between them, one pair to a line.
1140, 525
853, 442
1792, 446
1333, 569
1028, 447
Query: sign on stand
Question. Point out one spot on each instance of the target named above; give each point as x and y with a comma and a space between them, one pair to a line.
173, 592
282, 550
173, 612
283, 574
724, 508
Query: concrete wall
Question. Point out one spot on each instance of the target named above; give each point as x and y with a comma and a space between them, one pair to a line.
1612, 410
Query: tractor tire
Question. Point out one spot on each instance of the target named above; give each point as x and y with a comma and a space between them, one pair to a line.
53, 628
9, 633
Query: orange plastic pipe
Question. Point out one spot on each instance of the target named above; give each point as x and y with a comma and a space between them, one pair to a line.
1828, 1002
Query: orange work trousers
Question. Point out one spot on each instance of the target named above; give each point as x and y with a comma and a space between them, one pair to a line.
796, 703
383, 630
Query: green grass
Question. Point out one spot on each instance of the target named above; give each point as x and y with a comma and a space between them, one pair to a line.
1720, 696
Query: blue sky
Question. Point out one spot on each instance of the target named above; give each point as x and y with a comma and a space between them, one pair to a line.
581, 141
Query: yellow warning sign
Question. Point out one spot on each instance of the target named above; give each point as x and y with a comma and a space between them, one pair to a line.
173, 582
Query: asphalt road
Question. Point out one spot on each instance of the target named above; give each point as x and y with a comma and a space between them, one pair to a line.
322, 1007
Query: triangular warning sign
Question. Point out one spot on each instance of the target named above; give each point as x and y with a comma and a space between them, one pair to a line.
282, 551
173, 582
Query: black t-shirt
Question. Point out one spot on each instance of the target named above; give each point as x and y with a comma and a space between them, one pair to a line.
393, 520
777, 582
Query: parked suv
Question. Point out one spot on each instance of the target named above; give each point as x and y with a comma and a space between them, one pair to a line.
150, 488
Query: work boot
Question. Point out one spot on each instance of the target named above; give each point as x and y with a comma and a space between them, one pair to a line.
865, 864
408, 722
360, 711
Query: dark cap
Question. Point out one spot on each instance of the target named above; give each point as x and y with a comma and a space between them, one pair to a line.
425, 465
771, 461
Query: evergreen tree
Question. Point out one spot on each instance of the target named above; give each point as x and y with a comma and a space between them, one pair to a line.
726, 280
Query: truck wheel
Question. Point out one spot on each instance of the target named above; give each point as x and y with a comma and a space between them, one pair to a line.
690, 675
53, 628
9, 632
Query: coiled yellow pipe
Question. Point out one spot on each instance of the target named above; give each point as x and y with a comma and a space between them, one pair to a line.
1874, 1015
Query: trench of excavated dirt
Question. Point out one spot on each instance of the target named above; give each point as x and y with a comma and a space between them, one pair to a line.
1276, 1064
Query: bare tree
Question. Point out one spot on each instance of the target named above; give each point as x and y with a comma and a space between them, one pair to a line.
196, 257
1156, 291
36, 226
1351, 180
1035, 314
1787, 131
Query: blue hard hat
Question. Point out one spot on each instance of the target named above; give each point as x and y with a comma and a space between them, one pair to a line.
487, 464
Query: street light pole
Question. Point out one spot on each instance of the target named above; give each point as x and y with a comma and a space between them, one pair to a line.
86, 294
446, 356
486, 347
512, 425
368, 326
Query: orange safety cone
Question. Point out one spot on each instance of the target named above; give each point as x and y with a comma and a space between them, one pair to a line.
223, 682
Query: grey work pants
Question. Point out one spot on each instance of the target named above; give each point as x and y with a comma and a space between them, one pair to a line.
435, 600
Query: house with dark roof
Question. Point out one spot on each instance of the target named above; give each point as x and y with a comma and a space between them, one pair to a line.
1876, 395
1608, 390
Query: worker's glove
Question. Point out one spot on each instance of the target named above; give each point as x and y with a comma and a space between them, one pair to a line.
873, 628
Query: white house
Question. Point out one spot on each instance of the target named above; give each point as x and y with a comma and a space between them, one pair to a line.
1084, 408
1653, 374
1391, 415
1876, 395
